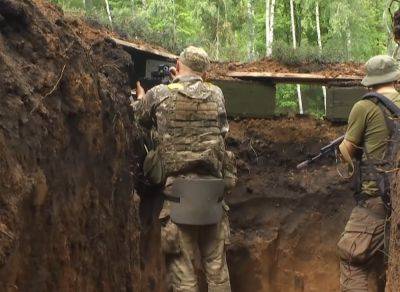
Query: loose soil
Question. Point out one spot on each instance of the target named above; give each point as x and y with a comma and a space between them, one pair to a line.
220, 70
285, 223
68, 214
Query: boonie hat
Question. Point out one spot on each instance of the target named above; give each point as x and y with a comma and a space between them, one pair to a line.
195, 58
380, 70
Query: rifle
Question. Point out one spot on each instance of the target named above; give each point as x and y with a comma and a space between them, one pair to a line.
160, 76
325, 151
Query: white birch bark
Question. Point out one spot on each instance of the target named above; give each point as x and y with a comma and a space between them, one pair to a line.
109, 12
349, 44
217, 38
271, 27
295, 46
293, 24
250, 13
174, 20
318, 26
317, 20
267, 25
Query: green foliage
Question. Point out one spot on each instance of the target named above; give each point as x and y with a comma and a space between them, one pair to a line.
234, 30
351, 29
286, 101
287, 55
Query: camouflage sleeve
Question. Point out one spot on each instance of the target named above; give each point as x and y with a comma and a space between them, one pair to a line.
223, 119
144, 108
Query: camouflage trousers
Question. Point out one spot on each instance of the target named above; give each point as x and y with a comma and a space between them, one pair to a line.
181, 244
361, 247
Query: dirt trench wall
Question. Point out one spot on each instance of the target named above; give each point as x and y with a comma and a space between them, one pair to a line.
393, 274
68, 215
285, 223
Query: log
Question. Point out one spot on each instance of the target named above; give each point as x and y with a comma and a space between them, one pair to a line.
144, 48
293, 77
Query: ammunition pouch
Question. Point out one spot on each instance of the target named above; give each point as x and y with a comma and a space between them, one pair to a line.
153, 168
372, 170
196, 201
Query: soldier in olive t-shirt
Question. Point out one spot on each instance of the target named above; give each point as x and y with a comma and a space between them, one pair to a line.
362, 241
367, 129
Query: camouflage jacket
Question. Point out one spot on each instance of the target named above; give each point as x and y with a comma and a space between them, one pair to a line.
188, 121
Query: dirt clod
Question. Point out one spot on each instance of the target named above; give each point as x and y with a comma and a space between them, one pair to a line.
68, 220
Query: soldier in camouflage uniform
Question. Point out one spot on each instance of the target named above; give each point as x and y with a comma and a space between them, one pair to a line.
362, 242
188, 122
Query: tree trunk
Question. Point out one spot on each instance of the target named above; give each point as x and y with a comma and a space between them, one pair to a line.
217, 37
317, 20
393, 273
348, 43
109, 13
318, 25
250, 13
293, 24
174, 21
267, 25
271, 28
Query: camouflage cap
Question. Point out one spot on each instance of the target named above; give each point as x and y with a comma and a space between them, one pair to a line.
380, 70
195, 58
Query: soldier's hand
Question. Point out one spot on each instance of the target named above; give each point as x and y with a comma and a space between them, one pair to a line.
140, 93
172, 71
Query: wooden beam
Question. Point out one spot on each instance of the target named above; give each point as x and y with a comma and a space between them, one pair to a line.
293, 77
145, 48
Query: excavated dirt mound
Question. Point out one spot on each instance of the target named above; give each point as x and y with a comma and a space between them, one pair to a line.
220, 70
285, 223
68, 215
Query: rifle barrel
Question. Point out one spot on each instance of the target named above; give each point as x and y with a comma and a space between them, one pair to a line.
324, 151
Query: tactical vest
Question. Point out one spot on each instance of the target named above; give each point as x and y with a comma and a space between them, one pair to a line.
383, 170
191, 140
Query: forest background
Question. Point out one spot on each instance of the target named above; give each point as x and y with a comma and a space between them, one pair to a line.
291, 31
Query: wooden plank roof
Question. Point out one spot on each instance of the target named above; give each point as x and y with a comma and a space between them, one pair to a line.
146, 49
294, 77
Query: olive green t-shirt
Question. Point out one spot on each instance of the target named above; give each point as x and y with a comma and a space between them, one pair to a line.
367, 129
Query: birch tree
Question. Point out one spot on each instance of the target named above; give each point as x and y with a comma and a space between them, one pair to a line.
217, 35
174, 21
293, 25
269, 26
317, 20
252, 34
109, 12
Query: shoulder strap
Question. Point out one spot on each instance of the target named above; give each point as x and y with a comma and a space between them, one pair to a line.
390, 105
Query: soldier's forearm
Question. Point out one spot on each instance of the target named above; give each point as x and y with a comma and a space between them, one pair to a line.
348, 150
